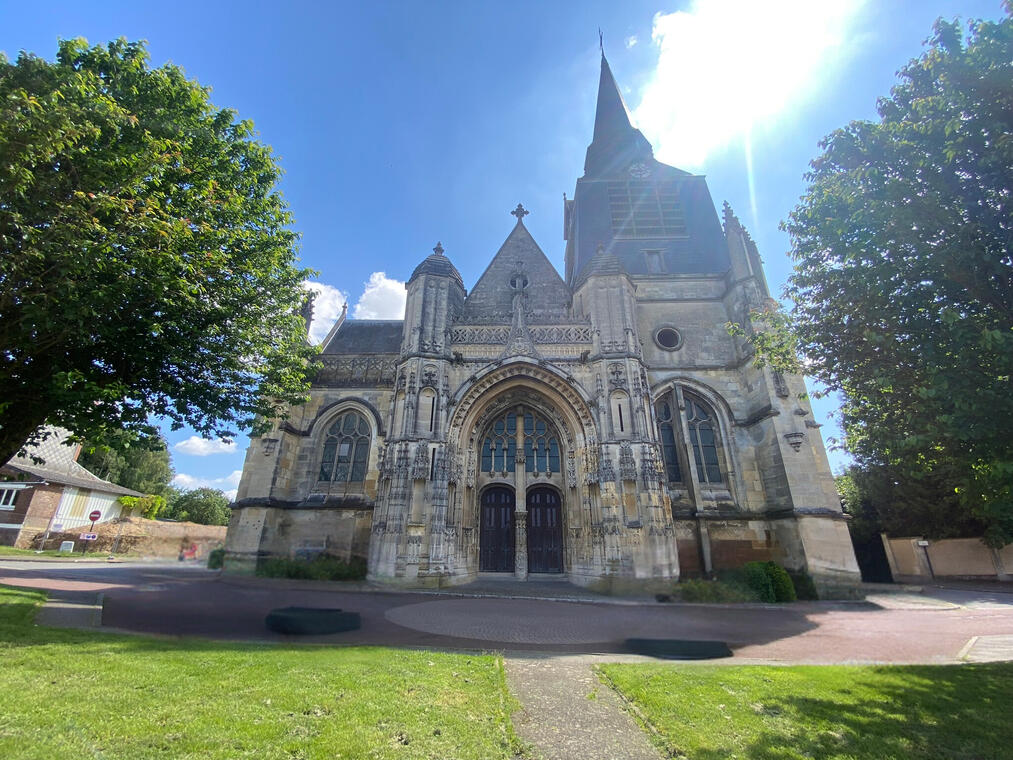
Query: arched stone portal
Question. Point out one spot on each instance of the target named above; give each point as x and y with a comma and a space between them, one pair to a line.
523, 428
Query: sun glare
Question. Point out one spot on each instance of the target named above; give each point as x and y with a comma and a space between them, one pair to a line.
727, 66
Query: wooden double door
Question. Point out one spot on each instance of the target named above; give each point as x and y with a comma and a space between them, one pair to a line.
498, 534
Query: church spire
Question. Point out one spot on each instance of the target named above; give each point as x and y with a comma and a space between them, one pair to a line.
615, 137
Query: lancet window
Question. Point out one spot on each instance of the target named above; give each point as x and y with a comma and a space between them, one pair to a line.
697, 424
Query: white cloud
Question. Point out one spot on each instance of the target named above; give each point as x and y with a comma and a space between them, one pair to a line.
631, 41
326, 308
202, 447
227, 484
383, 298
727, 65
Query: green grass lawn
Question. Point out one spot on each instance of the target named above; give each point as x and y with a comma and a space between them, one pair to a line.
69, 694
10, 551
711, 712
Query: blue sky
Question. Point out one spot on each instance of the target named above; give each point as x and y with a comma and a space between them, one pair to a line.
400, 124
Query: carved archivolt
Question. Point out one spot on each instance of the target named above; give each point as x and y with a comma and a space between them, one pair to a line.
561, 392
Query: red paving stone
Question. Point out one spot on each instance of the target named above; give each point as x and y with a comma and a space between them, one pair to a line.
176, 600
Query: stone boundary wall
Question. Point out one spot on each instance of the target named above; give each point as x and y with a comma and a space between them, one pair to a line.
147, 538
915, 559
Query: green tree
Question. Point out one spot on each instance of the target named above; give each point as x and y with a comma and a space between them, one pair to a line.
146, 261
127, 459
903, 280
149, 506
207, 506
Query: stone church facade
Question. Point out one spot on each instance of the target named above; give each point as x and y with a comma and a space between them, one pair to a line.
602, 425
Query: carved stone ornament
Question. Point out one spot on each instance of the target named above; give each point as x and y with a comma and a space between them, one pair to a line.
795, 439
469, 469
420, 466
590, 465
571, 469
270, 445
627, 465
617, 376
780, 385
606, 473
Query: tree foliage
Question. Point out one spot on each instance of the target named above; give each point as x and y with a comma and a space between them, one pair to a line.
903, 282
207, 506
149, 506
146, 261
127, 459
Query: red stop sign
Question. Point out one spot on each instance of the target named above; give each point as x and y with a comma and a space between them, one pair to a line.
95, 515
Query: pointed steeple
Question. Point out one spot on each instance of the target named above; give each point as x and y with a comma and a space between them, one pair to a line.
616, 141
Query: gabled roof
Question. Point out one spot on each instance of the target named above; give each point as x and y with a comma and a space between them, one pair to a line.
365, 336
492, 295
60, 467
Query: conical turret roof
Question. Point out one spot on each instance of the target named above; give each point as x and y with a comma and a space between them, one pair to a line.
438, 264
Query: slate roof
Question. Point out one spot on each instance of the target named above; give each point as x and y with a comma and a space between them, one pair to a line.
60, 467
492, 295
366, 336
437, 263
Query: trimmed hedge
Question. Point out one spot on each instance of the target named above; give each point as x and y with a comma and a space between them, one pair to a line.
780, 581
757, 577
323, 568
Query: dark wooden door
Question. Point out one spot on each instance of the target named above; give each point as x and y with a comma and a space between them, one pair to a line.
498, 536
545, 531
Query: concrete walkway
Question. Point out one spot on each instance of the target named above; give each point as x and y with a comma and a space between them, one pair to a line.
567, 713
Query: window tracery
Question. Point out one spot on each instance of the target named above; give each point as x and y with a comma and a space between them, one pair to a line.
346, 449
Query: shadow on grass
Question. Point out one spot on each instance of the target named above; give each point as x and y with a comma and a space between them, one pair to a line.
955, 712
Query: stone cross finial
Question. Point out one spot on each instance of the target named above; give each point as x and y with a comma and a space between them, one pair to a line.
438, 250
520, 212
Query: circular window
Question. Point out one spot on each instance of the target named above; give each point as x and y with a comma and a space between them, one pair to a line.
668, 338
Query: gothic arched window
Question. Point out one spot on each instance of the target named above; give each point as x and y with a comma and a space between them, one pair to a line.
704, 441
541, 447
500, 445
668, 447
346, 449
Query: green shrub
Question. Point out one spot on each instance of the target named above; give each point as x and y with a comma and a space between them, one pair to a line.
216, 559
804, 587
698, 590
758, 579
323, 568
780, 582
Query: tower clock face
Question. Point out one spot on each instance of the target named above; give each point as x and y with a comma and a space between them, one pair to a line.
639, 170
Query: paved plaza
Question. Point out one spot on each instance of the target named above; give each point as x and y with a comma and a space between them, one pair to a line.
936, 625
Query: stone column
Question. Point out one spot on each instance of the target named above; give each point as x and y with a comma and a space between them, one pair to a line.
521, 545
520, 501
